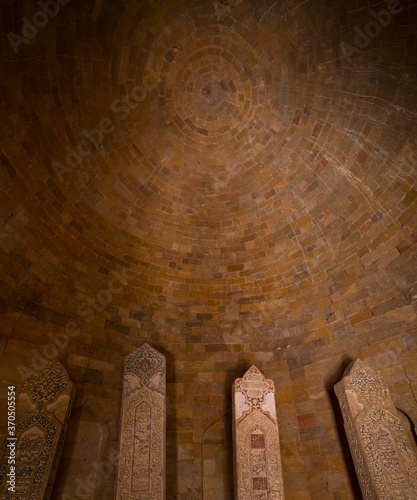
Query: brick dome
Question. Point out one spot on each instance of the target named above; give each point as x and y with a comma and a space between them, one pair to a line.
256, 184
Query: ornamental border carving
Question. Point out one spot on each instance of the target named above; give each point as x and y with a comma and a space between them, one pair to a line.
46, 400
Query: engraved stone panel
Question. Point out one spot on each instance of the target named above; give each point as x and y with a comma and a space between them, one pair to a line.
43, 409
141, 467
257, 456
384, 460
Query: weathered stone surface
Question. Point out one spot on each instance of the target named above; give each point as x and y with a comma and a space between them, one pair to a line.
141, 466
384, 460
257, 456
42, 410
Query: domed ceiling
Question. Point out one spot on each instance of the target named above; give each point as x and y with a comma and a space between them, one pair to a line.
249, 166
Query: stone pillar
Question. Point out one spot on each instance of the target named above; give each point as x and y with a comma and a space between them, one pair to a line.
257, 456
141, 465
42, 412
384, 460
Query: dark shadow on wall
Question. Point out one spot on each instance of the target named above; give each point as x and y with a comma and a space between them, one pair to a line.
409, 428
217, 445
217, 460
85, 469
345, 446
171, 468
330, 383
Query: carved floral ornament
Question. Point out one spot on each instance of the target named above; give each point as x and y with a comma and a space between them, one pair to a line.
252, 392
45, 387
144, 367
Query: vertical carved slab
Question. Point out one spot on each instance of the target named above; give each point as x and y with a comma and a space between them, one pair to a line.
384, 460
257, 456
141, 468
43, 410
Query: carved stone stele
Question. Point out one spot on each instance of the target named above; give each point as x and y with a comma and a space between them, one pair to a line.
42, 412
141, 465
384, 460
257, 456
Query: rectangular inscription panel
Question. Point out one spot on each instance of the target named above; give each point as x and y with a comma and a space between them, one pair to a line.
141, 463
